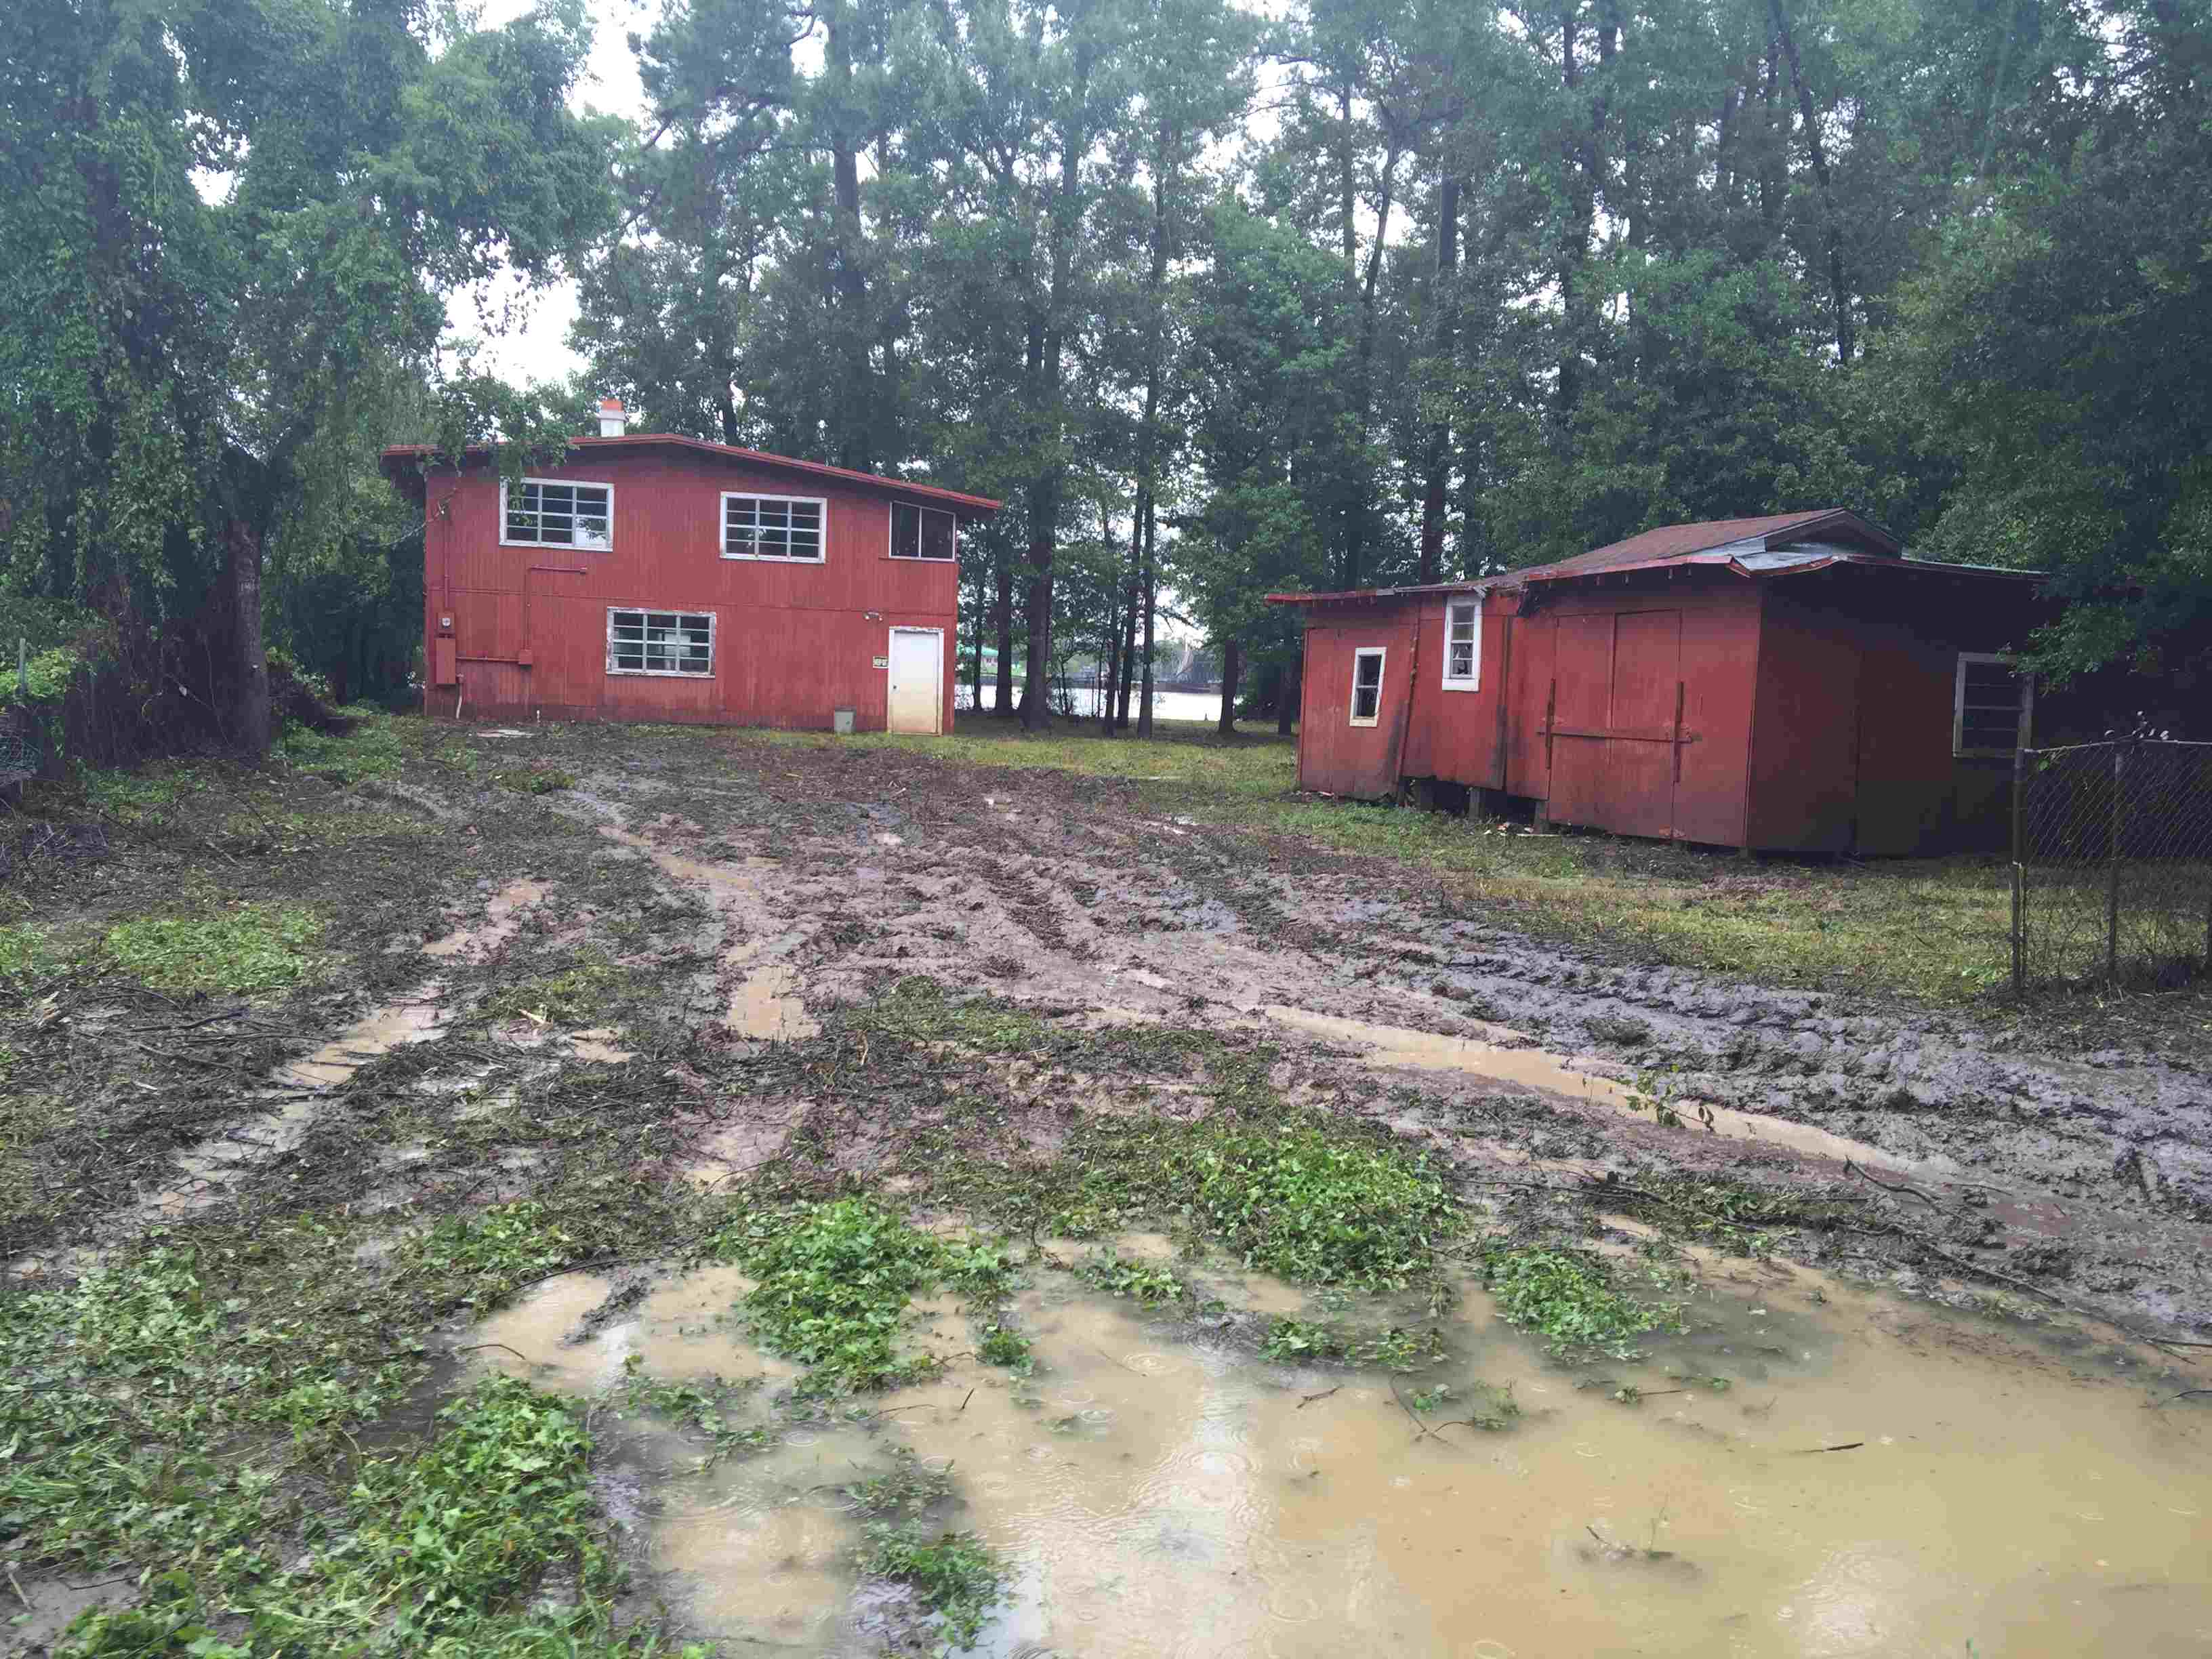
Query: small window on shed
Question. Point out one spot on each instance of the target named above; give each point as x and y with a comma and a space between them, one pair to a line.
1463, 645
923, 532
678, 642
1366, 686
1992, 705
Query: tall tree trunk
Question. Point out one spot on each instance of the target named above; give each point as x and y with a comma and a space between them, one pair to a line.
1770, 173
1435, 483
975, 668
1109, 659
1293, 688
1044, 502
1355, 479
1002, 577
249, 712
1845, 342
1152, 604
1166, 146
1135, 587
854, 440
1232, 670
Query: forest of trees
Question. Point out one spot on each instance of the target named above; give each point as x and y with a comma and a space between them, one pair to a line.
1221, 300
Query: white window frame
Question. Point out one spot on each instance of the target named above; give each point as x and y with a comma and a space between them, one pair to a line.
1471, 681
2024, 715
607, 546
821, 504
714, 661
1382, 655
891, 534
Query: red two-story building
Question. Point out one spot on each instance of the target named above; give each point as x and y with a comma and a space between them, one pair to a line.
654, 577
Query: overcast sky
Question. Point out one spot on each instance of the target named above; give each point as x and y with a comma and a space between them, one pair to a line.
535, 343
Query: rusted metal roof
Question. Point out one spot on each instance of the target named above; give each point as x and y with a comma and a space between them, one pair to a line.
731, 452
1777, 544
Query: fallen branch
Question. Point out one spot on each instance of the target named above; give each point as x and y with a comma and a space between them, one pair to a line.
1911, 1192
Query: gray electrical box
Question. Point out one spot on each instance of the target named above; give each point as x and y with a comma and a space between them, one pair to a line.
841, 722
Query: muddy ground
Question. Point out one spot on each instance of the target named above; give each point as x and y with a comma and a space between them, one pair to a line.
2087, 1176
577, 991
713, 899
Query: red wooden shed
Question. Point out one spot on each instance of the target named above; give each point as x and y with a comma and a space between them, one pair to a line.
1787, 683
649, 576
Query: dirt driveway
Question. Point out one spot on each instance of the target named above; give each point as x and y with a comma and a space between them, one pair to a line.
831, 872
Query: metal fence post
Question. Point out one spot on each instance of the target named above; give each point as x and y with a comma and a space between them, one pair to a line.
2113, 877
2018, 874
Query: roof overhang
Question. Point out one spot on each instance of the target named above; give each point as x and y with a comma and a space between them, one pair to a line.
407, 460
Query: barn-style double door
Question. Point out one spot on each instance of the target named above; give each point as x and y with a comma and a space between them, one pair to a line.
1614, 729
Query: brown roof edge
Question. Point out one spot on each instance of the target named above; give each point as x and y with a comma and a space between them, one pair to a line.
1473, 584
731, 452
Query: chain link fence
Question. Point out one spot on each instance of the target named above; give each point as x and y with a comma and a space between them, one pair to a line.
2112, 864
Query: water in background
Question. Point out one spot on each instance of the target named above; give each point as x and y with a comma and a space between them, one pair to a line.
1166, 705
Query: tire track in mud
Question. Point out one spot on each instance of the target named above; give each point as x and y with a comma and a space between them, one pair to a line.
1065, 889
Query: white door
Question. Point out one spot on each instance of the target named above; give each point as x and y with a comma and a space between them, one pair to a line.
917, 694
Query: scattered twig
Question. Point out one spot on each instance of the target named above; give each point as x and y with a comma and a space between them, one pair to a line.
517, 1352
1305, 1401
1811, 1451
1900, 1187
2185, 1393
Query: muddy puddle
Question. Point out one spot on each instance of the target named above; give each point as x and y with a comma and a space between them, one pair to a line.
1874, 1478
212, 1168
765, 1005
504, 919
1512, 1058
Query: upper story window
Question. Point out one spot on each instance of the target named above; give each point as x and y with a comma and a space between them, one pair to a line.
1991, 705
788, 528
1463, 645
556, 513
923, 532
1367, 685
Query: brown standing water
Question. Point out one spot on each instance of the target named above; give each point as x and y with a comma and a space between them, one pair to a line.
1515, 1060
1157, 1489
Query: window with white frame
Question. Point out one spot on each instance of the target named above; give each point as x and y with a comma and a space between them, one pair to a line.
1463, 645
1991, 705
677, 642
781, 527
1367, 685
556, 513
923, 532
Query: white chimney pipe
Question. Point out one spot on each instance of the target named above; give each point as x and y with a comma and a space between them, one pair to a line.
612, 418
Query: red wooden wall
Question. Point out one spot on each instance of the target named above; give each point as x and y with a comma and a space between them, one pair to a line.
1809, 714
793, 642
1336, 757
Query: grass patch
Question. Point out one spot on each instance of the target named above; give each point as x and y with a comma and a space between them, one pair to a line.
1138, 1281
1292, 1340
697, 1408
953, 1573
1571, 1299
25, 954
373, 749
246, 948
1319, 1203
535, 780
908, 1486
479, 1259
1181, 753
568, 997
436, 1553
1734, 1215
833, 1280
